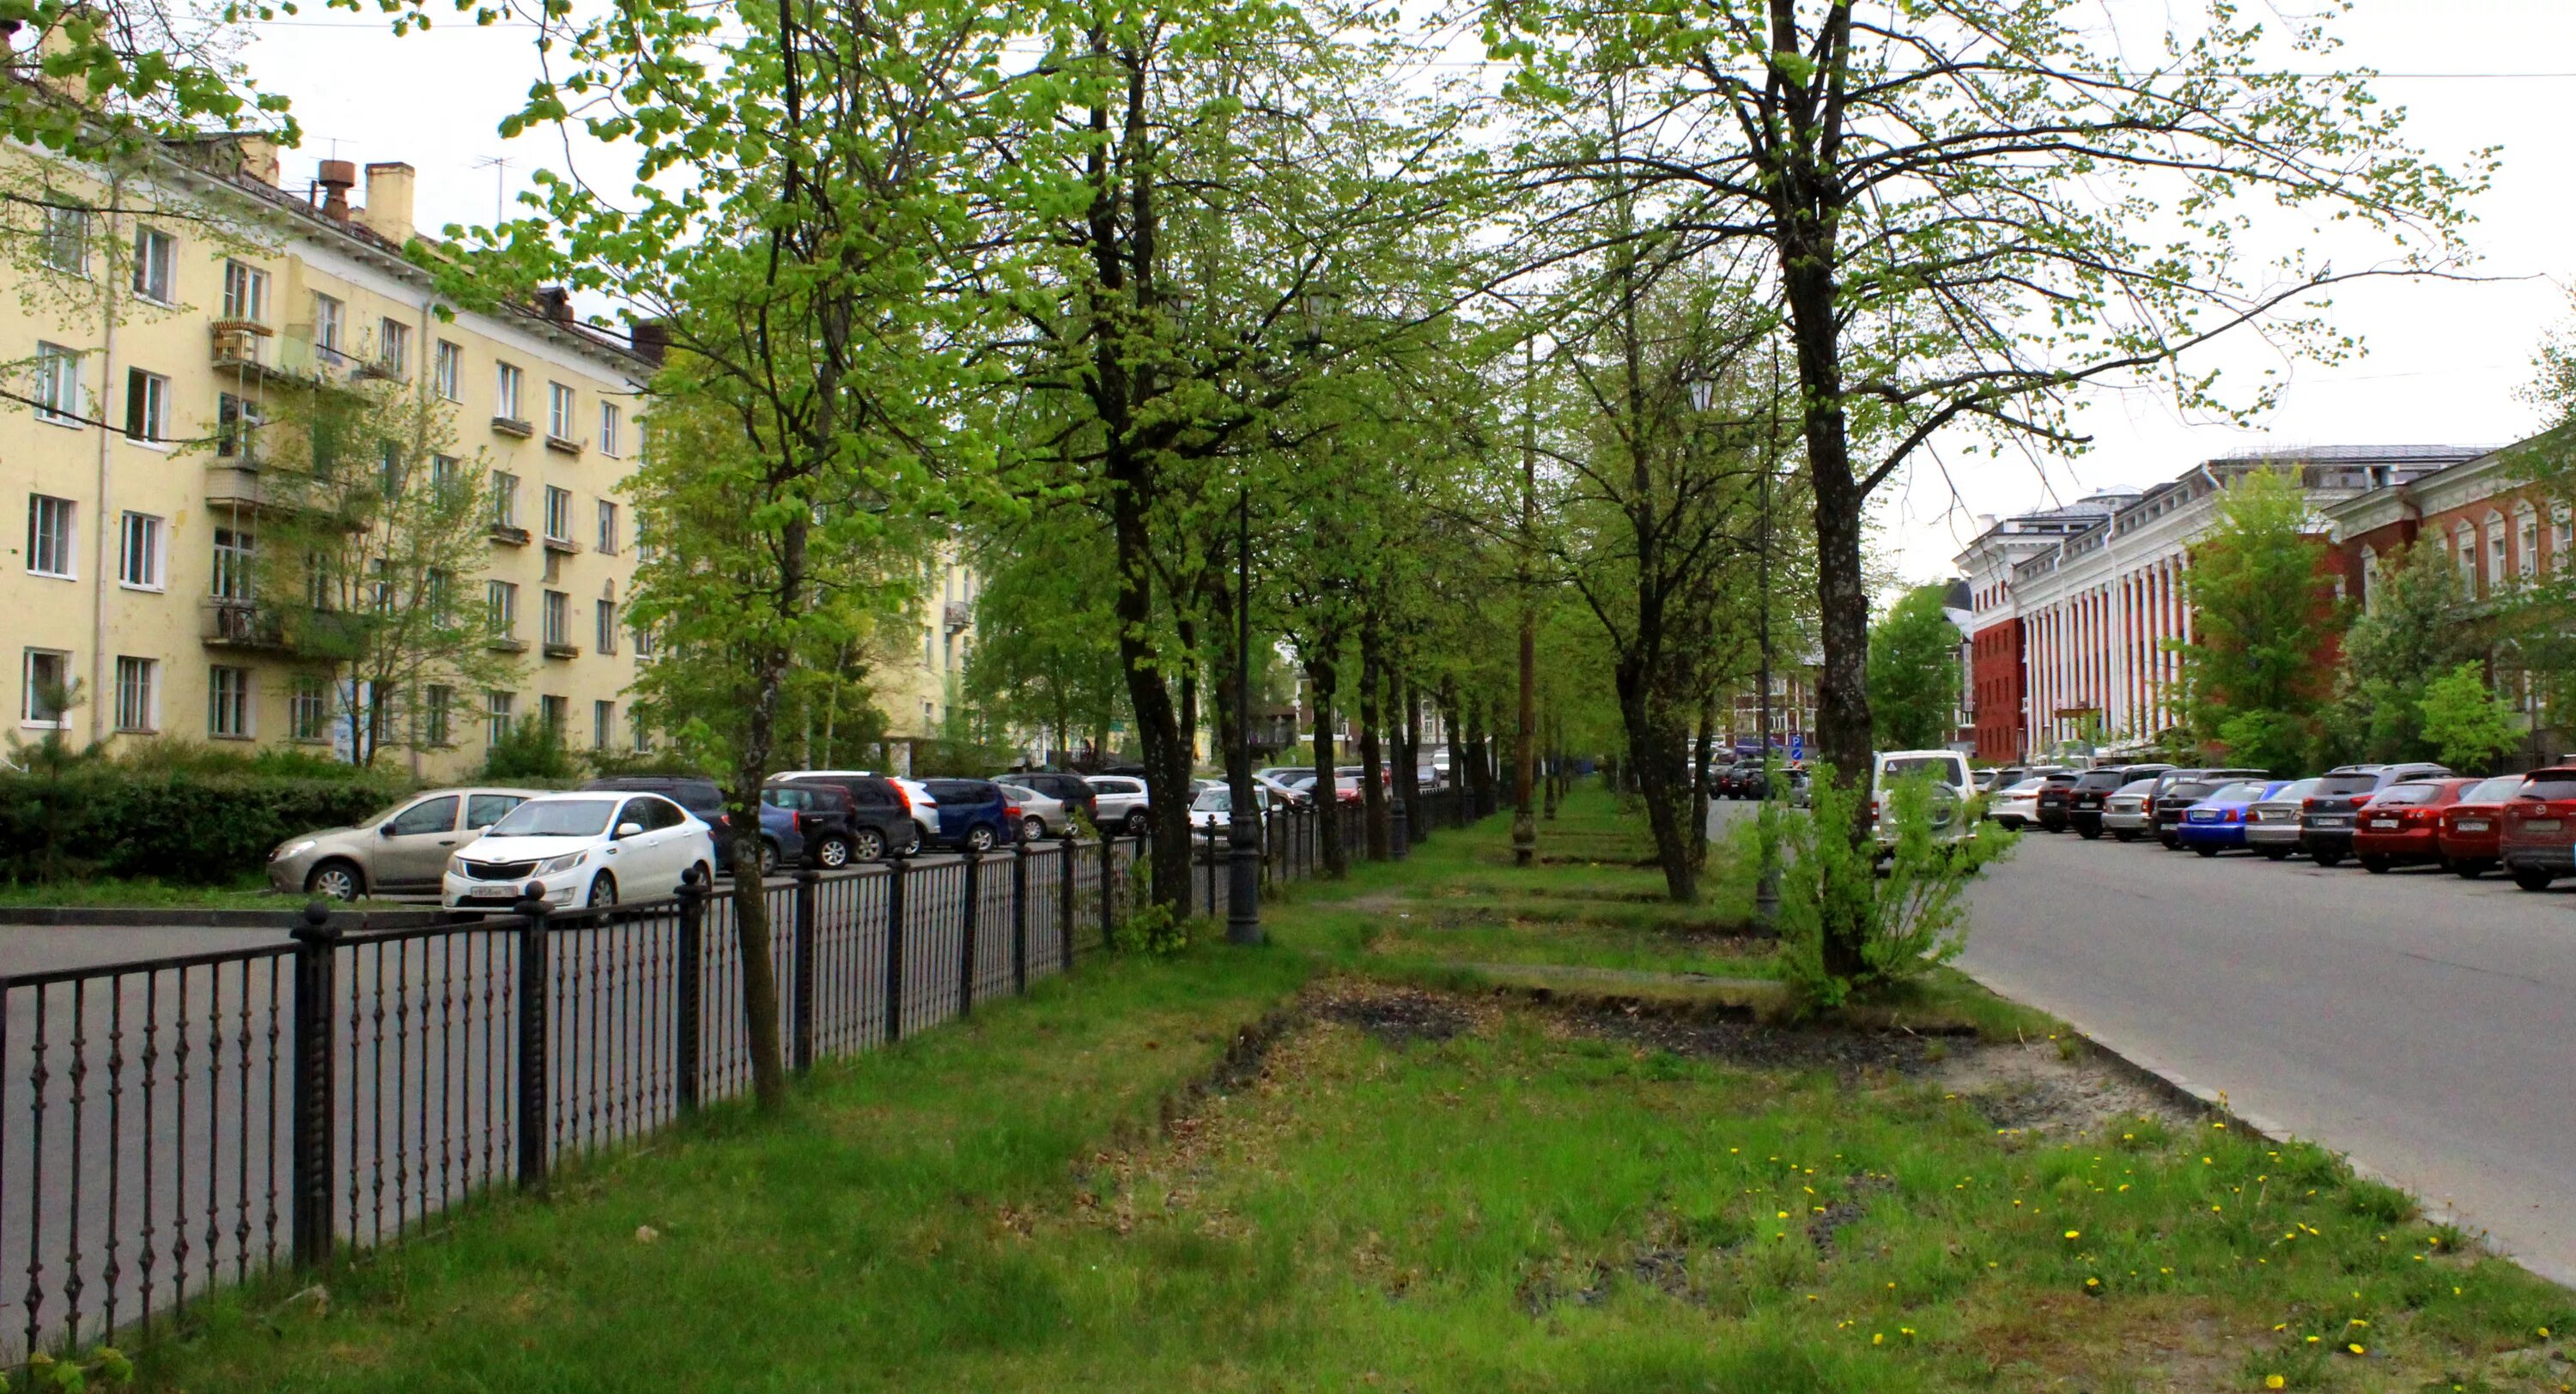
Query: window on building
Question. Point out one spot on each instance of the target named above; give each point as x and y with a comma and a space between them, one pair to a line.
556, 713
58, 385
609, 421
321, 589
497, 709
2495, 551
232, 576
154, 260
606, 625
2526, 538
506, 383
558, 514
237, 423
607, 528
558, 618
641, 739
603, 724
138, 558
501, 608
245, 292
45, 684
308, 709
147, 407
2562, 536
505, 499
393, 347
559, 409
49, 535
447, 374
643, 641
437, 714
63, 242
389, 469
228, 702
2464, 555
330, 330
438, 595
138, 694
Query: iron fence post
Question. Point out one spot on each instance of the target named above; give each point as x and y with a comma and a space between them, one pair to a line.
805, 935
966, 938
1020, 916
313, 1127
686, 1008
1108, 878
536, 1077
1399, 818
894, 953
1064, 901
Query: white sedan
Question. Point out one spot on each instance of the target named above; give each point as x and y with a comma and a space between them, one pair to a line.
2018, 806
581, 849
1212, 812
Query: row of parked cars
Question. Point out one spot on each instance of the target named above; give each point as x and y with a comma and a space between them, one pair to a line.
2381, 815
634, 837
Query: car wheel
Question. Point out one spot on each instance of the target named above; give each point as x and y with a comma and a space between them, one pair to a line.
1032, 829
768, 857
871, 845
2124, 834
2376, 866
2172, 844
834, 853
2468, 871
2206, 851
2531, 878
912, 848
336, 880
603, 890
2089, 834
979, 838
1137, 823
2278, 854
2327, 859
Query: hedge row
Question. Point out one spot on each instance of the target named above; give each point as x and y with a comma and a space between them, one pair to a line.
199, 828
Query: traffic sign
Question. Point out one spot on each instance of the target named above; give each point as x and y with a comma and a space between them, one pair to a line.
1797, 745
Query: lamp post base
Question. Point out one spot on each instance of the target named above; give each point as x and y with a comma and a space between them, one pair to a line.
1524, 837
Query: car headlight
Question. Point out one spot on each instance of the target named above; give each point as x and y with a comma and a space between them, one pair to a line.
566, 862
290, 849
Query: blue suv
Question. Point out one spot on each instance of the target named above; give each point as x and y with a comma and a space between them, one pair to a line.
972, 814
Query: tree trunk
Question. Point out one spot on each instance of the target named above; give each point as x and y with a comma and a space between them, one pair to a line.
1158, 733
1408, 758
1659, 764
1373, 820
1328, 803
1450, 728
1699, 785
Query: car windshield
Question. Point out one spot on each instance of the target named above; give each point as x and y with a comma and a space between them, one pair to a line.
2408, 793
1215, 799
2294, 791
2495, 790
556, 818
2552, 787
2099, 779
1946, 771
2236, 793
2192, 790
2139, 788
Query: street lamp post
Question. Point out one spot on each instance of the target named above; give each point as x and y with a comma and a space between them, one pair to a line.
1525, 744
1243, 856
1766, 885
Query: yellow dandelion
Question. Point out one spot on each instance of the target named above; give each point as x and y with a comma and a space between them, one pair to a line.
2274, 1382
2075, 1234
2354, 1347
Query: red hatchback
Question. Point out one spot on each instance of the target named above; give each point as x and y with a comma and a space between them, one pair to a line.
2471, 830
2399, 827
2537, 840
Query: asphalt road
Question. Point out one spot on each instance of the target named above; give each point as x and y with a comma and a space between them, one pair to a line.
2422, 1024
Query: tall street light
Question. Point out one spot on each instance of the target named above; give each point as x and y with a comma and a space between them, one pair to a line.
1525, 746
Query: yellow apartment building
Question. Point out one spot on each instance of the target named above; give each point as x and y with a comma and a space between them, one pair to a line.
158, 314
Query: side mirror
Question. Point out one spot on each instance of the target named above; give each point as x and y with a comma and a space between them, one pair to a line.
384, 830
627, 830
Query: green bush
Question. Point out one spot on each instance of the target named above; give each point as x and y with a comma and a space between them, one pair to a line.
100, 818
1906, 906
533, 749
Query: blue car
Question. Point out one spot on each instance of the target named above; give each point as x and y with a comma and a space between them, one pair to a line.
973, 814
2217, 822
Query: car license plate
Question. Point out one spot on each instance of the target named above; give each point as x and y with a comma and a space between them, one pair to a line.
2332, 822
2204, 817
2383, 822
2474, 825
2540, 825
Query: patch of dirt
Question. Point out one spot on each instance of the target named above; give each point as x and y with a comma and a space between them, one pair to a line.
2029, 1087
1561, 859
1396, 1016
1733, 1035
1856, 1193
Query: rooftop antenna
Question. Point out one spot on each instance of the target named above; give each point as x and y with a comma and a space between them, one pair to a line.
500, 167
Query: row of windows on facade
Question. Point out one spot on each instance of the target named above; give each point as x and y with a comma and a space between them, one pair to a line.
142, 560
2487, 565
61, 395
231, 712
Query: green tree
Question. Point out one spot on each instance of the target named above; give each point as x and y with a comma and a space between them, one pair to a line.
2468, 726
2264, 615
1914, 672
2415, 628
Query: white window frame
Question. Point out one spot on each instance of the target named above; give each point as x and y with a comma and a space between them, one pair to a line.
2464, 555
561, 404
155, 265
609, 421
229, 687
393, 346
330, 323
147, 409
505, 499
438, 715
245, 292
603, 723
61, 720
53, 536
447, 375
606, 623
231, 575
558, 513
2526, 541
557, 617
501, 608
507, 385
308, 710
142, 552
138, 694
2494, 539
65, 226
608, 527
60, 393
2562, 536
500, 709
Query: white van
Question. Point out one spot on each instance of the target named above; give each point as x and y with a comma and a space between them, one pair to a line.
1952, 785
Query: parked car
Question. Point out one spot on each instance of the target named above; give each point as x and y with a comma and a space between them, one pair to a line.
2129, 813
1041, 815
2218, 822
1947, 771
2402, 826
1123, 803
2537, 840
825, 818
780, 842
881, 818
1070, 791
973, 814
2085, 797
2051, 805
1984, 780
1212, 812
592, 848
2174, 797
404, 848
2470, 834
2325, 818
2272, 827
2017, 806
1737, 779
1280, 792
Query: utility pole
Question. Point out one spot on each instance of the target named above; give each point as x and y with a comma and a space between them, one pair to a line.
1524, 753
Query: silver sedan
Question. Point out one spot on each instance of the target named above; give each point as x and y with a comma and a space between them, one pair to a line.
1041, 815
404, 848
2126, 815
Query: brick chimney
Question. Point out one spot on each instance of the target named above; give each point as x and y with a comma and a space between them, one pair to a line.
258, 157
652, 340
336, 177
555, 303
388, 210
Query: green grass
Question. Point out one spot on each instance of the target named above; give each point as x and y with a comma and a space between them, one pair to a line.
1523, 1205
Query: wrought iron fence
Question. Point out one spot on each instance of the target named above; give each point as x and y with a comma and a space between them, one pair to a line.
170, 1125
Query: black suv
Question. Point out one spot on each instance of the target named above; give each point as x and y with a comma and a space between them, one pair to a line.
2052, 799
2325, 818
826, 817
1072, 790
2084, 799
880, 814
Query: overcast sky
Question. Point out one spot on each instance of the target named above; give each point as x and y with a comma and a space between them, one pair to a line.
2444, 358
